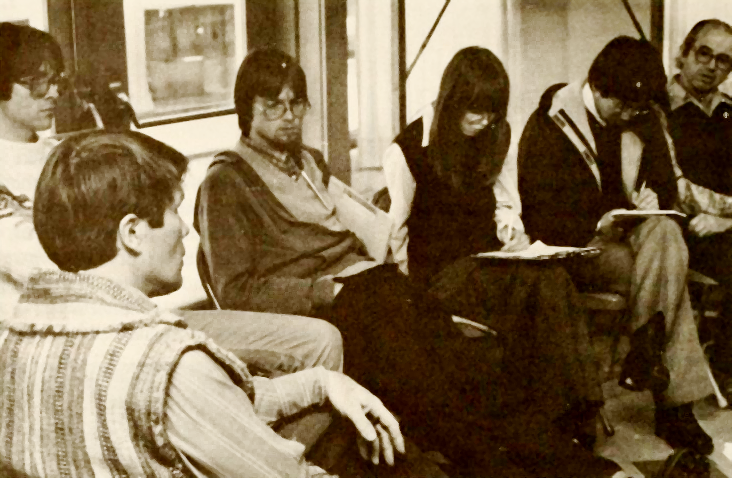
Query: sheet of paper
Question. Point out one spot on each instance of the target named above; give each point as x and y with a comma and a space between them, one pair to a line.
369, 223
536, 251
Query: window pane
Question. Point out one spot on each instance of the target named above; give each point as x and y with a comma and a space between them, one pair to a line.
190, 57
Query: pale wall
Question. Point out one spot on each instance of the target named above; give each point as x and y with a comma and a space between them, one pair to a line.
465, 23
560, 38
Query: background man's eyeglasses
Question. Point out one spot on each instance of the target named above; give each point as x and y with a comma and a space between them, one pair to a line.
277, 109
705, 55
39, 86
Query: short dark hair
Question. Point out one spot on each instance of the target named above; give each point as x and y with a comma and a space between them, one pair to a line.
265, 73
23, 51
90, 182
630, 70
696, 30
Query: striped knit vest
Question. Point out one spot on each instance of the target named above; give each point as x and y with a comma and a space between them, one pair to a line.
85, 371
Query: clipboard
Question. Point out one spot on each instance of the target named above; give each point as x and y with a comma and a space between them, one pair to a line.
369, 223
539, 251
644, 214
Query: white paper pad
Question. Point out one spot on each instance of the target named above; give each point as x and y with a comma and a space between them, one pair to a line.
539, 251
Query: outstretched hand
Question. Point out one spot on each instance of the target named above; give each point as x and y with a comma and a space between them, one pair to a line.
378, 430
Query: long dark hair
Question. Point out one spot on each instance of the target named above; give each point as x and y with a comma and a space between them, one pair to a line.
474, 80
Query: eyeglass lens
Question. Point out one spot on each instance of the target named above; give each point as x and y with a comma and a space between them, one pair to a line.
277, 110
40, 86
705, 55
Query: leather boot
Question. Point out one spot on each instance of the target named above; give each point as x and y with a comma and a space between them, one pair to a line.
579, 422
679, 427
643, 368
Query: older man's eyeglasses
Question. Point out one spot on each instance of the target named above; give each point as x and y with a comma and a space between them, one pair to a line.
39, 86
705, 55
274, 110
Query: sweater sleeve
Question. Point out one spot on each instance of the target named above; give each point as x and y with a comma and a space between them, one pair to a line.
220, 433
228, 224
505, 189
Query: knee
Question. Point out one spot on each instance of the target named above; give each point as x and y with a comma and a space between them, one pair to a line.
666, 233
327, 345
665, 226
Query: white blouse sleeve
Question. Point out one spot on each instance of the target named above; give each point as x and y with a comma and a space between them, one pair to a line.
508, 202
401, 186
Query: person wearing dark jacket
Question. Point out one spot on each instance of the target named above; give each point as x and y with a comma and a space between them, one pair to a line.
591, 148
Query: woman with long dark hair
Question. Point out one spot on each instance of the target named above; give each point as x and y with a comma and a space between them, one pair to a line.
445, 172
451, 197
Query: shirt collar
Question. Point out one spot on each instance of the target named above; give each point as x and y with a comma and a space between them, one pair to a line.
589, 102
678, 96
282, 161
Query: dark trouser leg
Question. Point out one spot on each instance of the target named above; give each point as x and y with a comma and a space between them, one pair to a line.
438, 382
712, 256
451, 390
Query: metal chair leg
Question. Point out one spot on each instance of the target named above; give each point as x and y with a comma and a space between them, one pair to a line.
607, 427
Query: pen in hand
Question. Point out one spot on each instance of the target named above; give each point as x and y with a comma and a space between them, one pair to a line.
638, 194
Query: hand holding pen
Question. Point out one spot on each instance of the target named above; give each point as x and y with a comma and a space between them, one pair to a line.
645, 198
518, 240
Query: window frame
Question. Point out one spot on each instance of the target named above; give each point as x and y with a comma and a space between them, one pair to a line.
137, 84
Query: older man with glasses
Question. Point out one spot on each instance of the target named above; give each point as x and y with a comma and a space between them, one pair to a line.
701, 126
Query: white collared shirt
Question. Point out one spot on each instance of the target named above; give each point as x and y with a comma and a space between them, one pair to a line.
589, 101
679, 96
402, 186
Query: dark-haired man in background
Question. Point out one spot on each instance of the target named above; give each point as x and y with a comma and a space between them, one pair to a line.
29, 87
700, 123
595, 146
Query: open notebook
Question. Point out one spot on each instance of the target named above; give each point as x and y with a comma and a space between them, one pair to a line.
539, 251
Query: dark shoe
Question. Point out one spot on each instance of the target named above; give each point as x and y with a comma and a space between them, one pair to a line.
643, 367
580, 421
678, 426
685, 463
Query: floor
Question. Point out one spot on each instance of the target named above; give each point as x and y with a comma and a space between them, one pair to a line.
639, 452
634, 446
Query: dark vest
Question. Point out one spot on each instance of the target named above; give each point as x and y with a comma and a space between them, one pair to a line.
704, 145
609, 162
443, 225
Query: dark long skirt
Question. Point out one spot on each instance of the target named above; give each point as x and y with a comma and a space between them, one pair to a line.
466, 397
